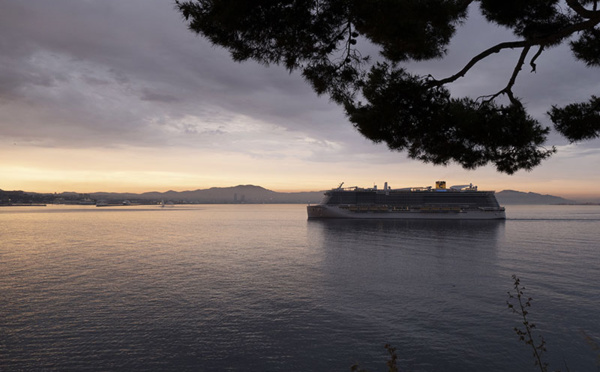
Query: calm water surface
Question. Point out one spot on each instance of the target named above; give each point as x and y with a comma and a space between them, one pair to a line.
261, 288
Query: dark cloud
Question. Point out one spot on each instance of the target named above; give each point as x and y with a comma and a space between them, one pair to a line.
92, 70
111, 72
152, 96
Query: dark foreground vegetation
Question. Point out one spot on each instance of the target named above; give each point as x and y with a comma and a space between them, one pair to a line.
519, 304
359, 54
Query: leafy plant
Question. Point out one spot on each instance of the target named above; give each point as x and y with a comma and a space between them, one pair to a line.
526, 334
519, 304
391, 362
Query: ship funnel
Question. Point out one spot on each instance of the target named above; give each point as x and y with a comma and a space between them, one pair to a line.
440, 185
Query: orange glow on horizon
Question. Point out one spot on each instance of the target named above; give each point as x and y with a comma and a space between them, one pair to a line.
139, 170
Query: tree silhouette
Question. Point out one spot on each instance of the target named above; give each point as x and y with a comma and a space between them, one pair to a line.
408, 112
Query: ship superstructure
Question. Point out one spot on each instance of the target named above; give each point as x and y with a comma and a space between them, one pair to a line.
439, 202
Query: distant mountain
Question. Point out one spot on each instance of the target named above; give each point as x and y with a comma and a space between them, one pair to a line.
248, 194
507, 197
255, 194
222, 195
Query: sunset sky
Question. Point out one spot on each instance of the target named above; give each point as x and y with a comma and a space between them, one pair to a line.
117, 95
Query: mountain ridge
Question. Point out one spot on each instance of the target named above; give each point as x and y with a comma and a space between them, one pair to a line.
248, 194
513, 197
259, 194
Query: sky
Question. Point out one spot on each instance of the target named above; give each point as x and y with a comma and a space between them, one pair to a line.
118, 95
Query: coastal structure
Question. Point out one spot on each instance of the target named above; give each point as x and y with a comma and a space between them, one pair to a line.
439, 202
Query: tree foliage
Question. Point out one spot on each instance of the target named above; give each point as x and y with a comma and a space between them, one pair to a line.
412, 113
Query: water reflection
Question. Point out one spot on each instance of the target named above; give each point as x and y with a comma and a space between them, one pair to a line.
411, 281
253, 288
405, 232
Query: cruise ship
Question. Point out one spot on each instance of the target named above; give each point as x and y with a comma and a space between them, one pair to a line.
463, 202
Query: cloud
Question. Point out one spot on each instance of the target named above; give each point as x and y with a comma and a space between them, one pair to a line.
155, 96
112, 73
105, 73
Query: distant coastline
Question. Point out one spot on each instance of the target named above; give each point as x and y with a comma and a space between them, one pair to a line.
241, 194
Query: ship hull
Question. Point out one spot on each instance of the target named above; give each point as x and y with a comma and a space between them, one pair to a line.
334, 211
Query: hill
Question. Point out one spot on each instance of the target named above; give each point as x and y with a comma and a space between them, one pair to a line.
221, 195
247, 194
508, 197
256, 194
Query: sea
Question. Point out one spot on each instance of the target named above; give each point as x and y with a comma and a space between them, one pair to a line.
262, 288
